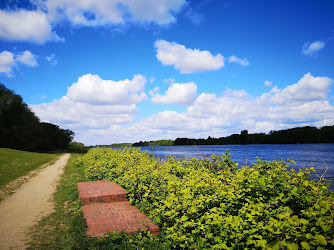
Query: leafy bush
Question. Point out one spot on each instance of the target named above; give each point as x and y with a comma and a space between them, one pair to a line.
77, 147
202, 203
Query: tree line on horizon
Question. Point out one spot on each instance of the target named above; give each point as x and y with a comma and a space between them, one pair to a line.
21, 129
298, 135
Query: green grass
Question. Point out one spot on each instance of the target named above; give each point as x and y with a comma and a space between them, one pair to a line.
65, 228
16, 163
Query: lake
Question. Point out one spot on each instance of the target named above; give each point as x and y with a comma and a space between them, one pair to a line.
305, 155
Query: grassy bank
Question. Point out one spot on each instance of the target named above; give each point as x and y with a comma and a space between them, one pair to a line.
16, 163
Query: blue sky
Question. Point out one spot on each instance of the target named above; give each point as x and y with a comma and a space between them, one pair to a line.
124, 71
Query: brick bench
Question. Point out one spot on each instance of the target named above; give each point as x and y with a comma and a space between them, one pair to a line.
106, 209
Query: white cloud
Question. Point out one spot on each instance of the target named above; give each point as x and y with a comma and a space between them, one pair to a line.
96, 91
6, 62
160, 12
153, 91
23, 25
169, 80
234, 59
80, 115
209, 115
52, 59
37, 25
86, 13
187, 60
268, 83
27, 58
103, 12
313, 48
95, 103
177, 93
307, 89
235, 110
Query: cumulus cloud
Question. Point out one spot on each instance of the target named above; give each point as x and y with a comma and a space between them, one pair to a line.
102, 12
37, 25
95, 103
101, 122
81, 115
23, 25
234, 59
7, 61
313, 48
177, 93
235, 110
187, 60
96, 91
27, 58
307, 89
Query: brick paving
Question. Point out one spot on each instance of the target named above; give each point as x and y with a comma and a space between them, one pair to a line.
106, 209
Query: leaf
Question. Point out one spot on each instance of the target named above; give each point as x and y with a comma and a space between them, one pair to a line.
292, 246
184, 218
281, 216
168, 204
309, 198
321, 239
303, 221
325, 227
305, 245
323, 211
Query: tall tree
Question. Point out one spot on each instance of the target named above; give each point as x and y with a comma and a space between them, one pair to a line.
20, 128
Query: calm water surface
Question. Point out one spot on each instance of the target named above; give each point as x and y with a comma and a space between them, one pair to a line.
305, 155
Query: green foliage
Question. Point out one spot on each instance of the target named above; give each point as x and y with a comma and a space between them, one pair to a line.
214, 204
288, 136
154, 143
65, 228
21, 129
120, 145
15, 163
77, 147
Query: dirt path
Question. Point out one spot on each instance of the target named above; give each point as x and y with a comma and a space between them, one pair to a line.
30, 203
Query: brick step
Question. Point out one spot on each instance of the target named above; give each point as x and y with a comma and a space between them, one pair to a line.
116, 216
100, 192
106, 209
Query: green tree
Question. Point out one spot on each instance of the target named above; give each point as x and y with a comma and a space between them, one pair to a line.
21, 129
243, 137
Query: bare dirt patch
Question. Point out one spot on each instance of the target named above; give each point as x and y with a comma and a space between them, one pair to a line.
29, 204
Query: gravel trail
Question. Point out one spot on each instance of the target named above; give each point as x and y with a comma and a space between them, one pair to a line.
29, 204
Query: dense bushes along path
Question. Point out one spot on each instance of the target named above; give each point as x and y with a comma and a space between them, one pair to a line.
214, 204
28, 205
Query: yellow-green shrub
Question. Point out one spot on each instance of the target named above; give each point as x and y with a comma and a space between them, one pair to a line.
201, 203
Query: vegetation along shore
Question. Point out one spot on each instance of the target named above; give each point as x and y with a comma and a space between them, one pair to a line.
297, 135
201, 203
197, 203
